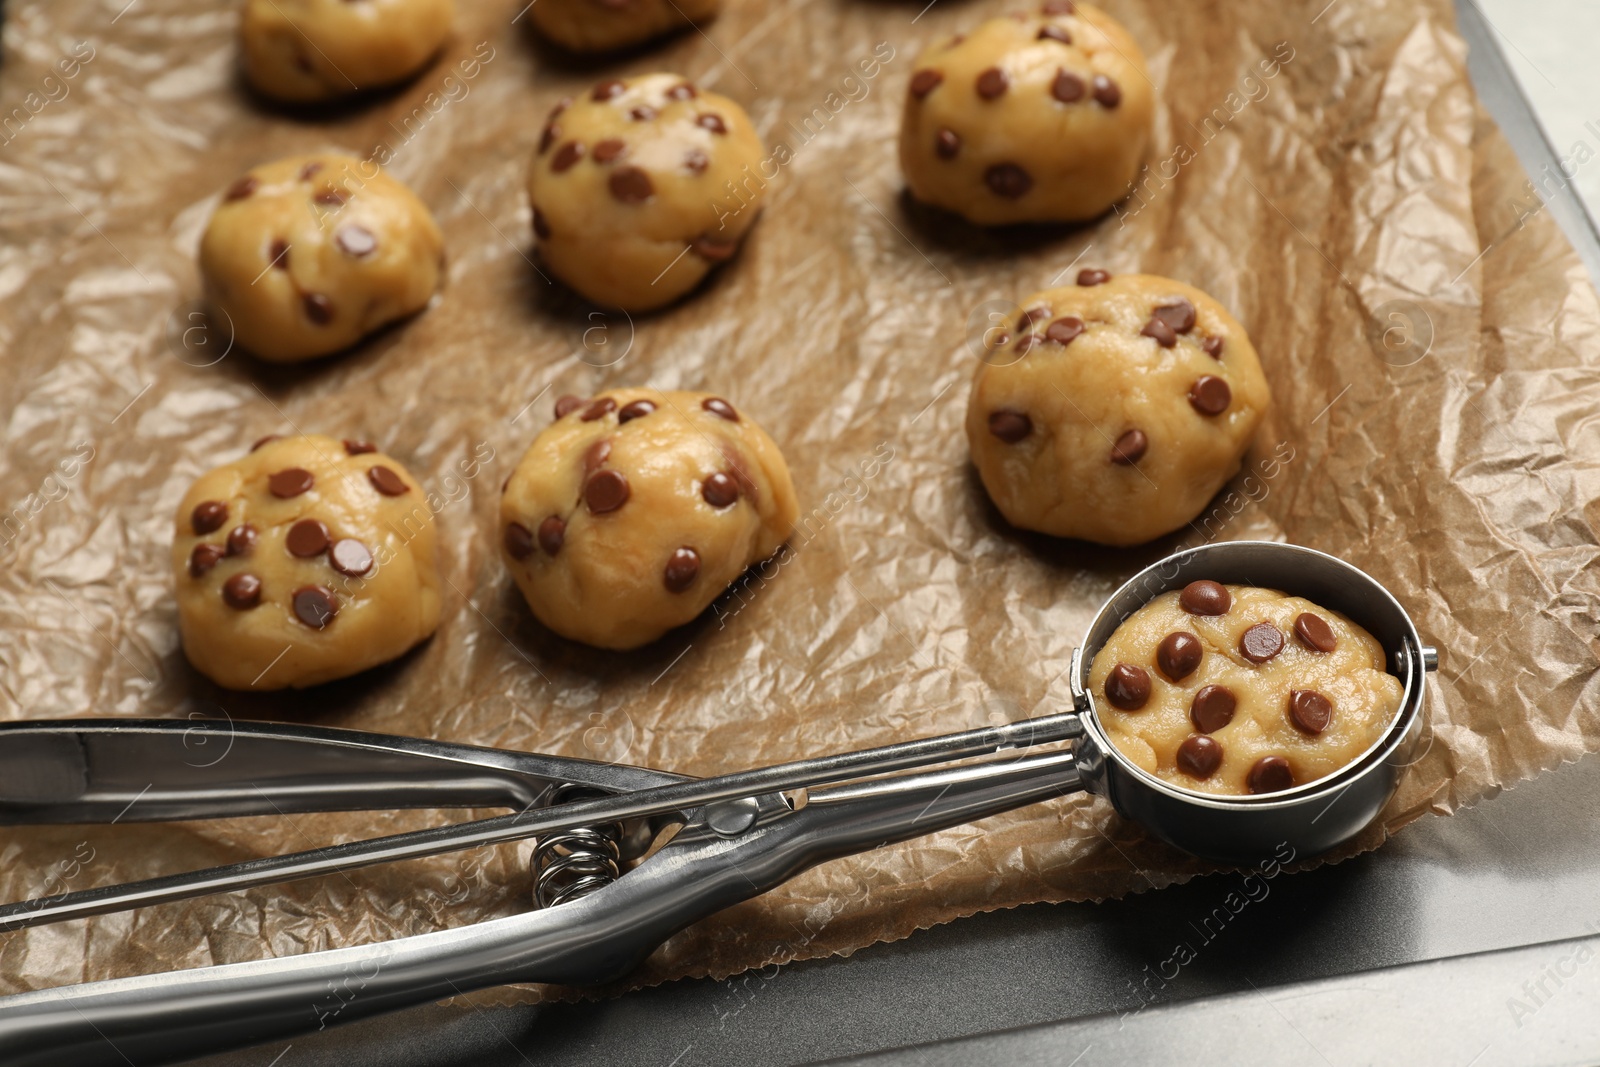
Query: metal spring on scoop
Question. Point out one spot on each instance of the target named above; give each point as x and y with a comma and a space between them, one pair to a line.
576, 862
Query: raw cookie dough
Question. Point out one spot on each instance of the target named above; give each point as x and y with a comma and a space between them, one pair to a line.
300, 51
608, 25
1038, 117
1238, 690
637, 508
1114, 409
307, 560
640, 187
307, 255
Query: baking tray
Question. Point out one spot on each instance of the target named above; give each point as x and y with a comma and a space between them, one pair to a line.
1439, 942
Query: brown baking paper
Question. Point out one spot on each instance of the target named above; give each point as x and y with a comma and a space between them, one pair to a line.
1430, 339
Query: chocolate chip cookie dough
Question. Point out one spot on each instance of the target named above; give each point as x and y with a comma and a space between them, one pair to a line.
307, 255
300, 51
1239, 690
1114, 409
307, 560
633, 189
609, 25
637, 508
1039, 117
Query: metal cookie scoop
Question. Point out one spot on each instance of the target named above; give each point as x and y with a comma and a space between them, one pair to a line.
706, 843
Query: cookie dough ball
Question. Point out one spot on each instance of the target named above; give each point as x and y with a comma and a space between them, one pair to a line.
1113, 410
640, 187
1238, 690
608, 25
300, 51
307, 255
637, 508
307, 560
1040, 117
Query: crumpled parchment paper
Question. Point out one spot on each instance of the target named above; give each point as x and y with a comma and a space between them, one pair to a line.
1430, 338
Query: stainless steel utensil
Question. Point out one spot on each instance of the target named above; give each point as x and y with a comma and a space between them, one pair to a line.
736, 836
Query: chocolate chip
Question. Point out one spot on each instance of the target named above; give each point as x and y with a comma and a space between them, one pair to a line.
278, 254
720, 490
1271, 774
708, 247
711, 122
1261, 642
1163, 334
1065, 330
242, 188
290, 482
1054, 33
1210, 395
1205, 598
350, 557
1128, 687
609, 89
315, 606
1093, 277
331, 197
307, 538
1212, 708
518, 541
1314, 632
548, 137
1059, 7
1106, 92
595, 456
1199, 756
682, 569
208, 515
1007, 180
203, 558
242, 592
241, 540
1309, 710
947, 144
1030, 316
1178, 655
386, 481
635, 409
319, 309
682, 91
358, 448
631, 185
599, 409
568, 154
1027, 343
355, 240
605, 491
268, 439
310, 170
1067, 87
924, 82
566, 405
1213, 347
720, 408
1130, 448
552, 534
992, 83
1179, 314
641, 113
612, 148
696, 160
1010, 426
